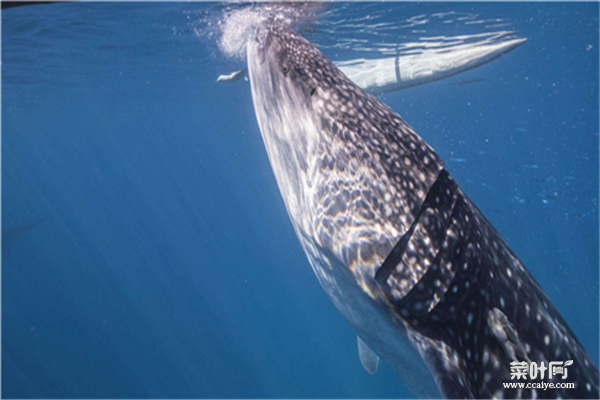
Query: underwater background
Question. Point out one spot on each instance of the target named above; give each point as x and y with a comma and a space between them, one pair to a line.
146, 251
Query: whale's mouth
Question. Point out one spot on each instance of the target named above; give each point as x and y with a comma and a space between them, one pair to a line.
262, 33
273, 54
261, 40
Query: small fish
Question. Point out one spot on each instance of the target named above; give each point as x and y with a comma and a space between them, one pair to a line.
518, 199
537, 179
485, 185
234, 76
466, 82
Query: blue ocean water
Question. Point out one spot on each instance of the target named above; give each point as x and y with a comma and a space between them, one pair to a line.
146, 252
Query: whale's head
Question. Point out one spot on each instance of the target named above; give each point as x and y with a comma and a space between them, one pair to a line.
289, 79
352, 173
286, 67
284, 57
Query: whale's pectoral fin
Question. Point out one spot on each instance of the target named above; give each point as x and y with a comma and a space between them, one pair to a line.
368, 358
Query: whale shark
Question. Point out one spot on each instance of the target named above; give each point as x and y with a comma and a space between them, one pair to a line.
427, 283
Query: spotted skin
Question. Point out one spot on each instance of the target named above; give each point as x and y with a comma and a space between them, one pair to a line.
406, 257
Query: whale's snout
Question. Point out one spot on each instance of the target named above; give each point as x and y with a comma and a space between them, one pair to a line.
262, 33
260, 44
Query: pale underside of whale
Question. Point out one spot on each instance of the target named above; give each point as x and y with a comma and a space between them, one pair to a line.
388, 74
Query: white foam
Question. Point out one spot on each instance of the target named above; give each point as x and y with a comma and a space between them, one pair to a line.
236, 23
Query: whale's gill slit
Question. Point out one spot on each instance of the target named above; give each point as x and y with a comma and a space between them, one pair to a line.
394, 258
435, 195
444, 273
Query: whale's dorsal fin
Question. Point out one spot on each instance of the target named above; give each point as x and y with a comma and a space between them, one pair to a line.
368, 358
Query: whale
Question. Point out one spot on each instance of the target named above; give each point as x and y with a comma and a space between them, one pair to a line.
429, 286
388, 74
